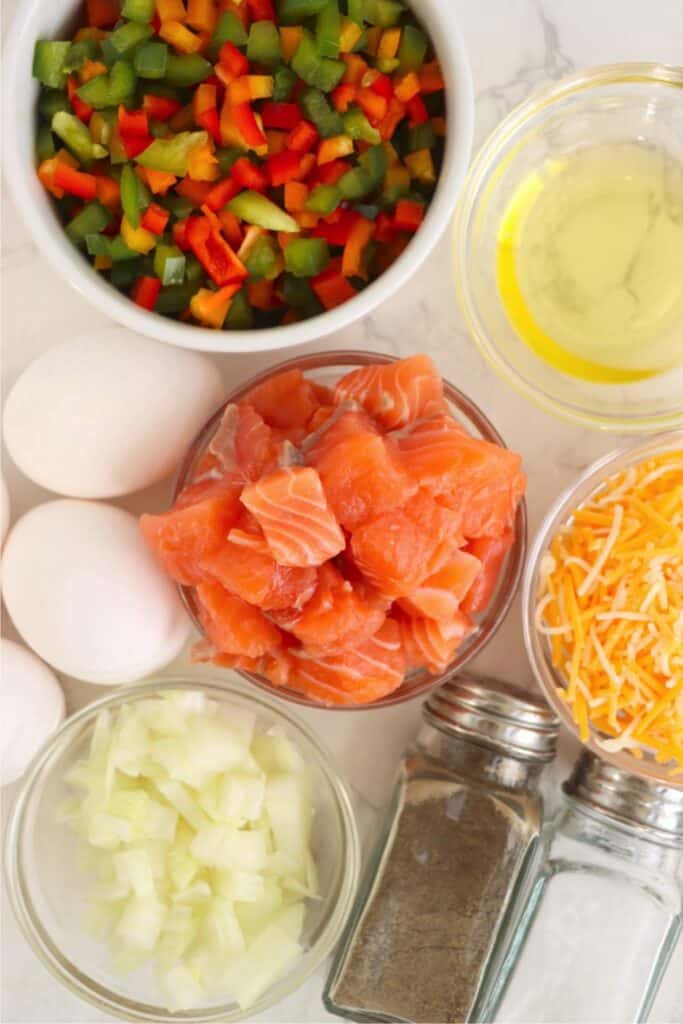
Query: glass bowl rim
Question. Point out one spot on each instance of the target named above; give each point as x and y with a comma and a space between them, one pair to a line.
98, 994
513, 567
594, 474
484, 164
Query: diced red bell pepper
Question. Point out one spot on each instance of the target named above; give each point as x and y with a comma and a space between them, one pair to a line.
281, 115
330, 173
261, 10
82, 111
337, 233
233, 60
249, 175
343, 96
136, 144
221, 194
160, 108
155, 218
205, 110
195, 191
283, 167
396, 111
373, 106
431, 78
75, 183
247, 125
146, 292
385, 230
213, 252
331, 287
408, 215
383, 86
417, 112
180, 234
132, 122
302, 138
230, 226
102, 13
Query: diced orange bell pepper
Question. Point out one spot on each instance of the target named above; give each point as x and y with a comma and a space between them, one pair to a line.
334, 148
202, 165
417, 111
211, 308
90, 32
90, 69
352, 259
290, 39
307, 220
159, 181
233, 60
48, 168
230, 135
431, 78
439, 126
202, 15
102, 13
308, 162
262, 295
108, 192
355, 68
249, 88
102, 262
179, 232
408, 215
349, 35
302, 138
389, 43
342, 97
421, 166
195, 191
296, 194
332, 288
183, 39
406, 86
205, 110
230, 226
213, 252
373, 106
171, 10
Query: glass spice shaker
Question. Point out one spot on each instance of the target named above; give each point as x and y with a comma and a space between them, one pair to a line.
605, 908
454, 849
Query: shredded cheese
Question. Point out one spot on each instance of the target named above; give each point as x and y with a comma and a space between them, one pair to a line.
610, 603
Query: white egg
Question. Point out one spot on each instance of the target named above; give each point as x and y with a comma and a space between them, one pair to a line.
31, 708
109, 413
4, 509
84, 592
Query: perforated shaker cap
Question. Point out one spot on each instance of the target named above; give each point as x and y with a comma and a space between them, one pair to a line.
495, 714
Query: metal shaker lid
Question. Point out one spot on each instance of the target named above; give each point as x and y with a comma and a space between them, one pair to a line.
495, 714
639, 802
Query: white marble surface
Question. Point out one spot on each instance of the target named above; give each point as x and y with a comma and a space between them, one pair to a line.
514, 46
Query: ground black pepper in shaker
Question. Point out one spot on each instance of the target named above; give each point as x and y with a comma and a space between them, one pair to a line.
457, 841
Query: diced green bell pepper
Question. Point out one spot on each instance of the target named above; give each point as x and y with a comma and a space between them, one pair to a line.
317, 109
255, 208
306, 257
111, 89
171, 155
355, 184
412, 49
320, 72
120, 252
97, 245
264, 261
124, 39
180, 206
284, 81
297, 292
75, 135
102, 126
229, 29
138, 10
151, 60
45, 144
383, 13
187, 69
194, 271
169, 264
135, 196
291, 12
263, 46
92, 219
328, 29
324, 199
123, 274
240, 315
375, 161
387, 65
84, 49
421, 136
51, 101
49, 58
356, 11
357, 126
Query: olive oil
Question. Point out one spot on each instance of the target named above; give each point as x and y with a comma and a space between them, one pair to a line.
590, 262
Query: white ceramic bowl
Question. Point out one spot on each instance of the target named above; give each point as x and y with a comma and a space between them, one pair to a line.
50, 18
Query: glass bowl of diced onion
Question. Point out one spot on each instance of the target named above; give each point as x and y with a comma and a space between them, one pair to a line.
58, 886
602, 608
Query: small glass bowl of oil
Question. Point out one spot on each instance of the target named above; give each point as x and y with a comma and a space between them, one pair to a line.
569, 248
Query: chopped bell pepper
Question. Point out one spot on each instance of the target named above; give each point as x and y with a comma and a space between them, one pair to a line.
91, 69
247, 126
221, 194
179, 36
211, 308
360, 235
343, 96
75, 183
349, 35
417, 111
159, 181
357, 126
263, 46
134, 196
413, 49
389, 43
334, 148
255, 208
169, 264
230, 226
145, 292
296, 194
111, 89
306, 257
281, 115
249, 88
302, 138
431, 78
187, 69
49, 59
394, 115
151, 60
289, 40
291, 12
233, 60
74, 133
283, 167
51, 102
249, 175
82, 111
171, 10
205, 110
355, 68
328, 29
132, 122
229, 29
123, 40
213, 252
329, 174
337, 233
201, 15
407, 86
261, 10
155, 219
137, 238
202, 164
108, 192
172, 155
332, 288
316, 108
284, 81
93, 218
408, 215
383, 13
160, 108
102, 13
323, 200
421, 166
240, 316
319, 72
264, 260
372, 104
379, 83
45, 144
193, 191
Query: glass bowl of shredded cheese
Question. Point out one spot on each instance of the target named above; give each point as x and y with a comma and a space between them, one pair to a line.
603, 607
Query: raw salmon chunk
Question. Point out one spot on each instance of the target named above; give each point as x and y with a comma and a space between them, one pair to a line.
232, 625
286, 400
192, 531
432, 643
243, 443
400, 549
256, 577
337, 616
293, 512
491, 552
395, 393
440, 595
360, 471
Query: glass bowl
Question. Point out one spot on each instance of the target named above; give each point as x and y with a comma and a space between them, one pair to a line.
621, 103
538, 650
48, 893
326, 368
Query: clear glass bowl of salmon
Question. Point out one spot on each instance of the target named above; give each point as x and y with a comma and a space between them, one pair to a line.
348, 530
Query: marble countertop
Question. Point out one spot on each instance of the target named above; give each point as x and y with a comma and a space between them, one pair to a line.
514, 46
